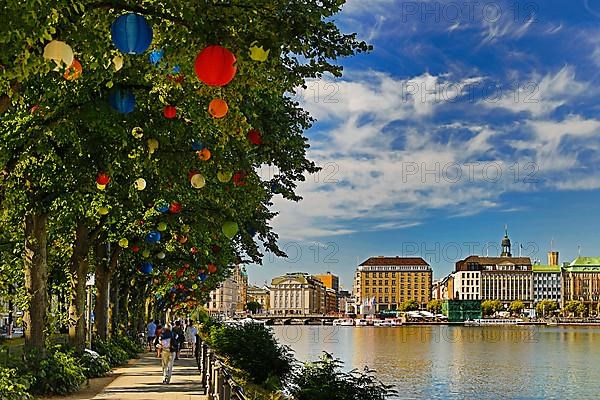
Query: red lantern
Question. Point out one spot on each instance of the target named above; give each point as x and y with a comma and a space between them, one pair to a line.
194, 250
180, 272
216, 248
102, 178
183, 239
254, 137
212, 268
175, 207
239, 178
169, 112
135, 248
215, 66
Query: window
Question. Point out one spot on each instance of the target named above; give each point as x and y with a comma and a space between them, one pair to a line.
367, 282
380, 300
387, 282
393, 283
386, 290
380, 282
379, 290
393, 290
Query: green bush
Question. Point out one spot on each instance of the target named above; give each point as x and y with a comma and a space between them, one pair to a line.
58, 372
94, 365
253, 349
114, 353
14, 385
325, 380
132, 347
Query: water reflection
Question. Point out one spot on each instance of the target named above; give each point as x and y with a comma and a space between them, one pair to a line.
442, 362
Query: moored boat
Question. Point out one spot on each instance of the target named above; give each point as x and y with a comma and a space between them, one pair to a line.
343, 322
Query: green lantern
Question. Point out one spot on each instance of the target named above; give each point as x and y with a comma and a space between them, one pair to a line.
230, 229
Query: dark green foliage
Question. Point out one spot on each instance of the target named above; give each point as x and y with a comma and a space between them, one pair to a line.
58, 372
253, 349
325, 380
132, 347
114, 354
94, 366
14, 385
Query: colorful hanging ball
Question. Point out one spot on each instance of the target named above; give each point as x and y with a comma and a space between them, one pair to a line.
131, 33
100, 187
258, 53
162, 207
59, 52
239, 178
202, 277
162, 226
198, 181
135, 248
161, 255
146, 267
197, 145
224, 176
137, 132
122, 100
153, 237
254, 137
73, 71
103, 210
204, 154
185, 228
102, 178
175, 207
117, 62
124, 243
218, 108
140, 184
212, 268
146, 253
230, 229
215, 66
152, 145
170, 112
216, 248
183, 239
155, 56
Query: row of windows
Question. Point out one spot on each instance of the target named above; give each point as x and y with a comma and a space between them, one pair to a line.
416, 291
381, 300
394, 274
393, 282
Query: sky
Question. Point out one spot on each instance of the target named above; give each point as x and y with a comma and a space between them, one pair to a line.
465, 118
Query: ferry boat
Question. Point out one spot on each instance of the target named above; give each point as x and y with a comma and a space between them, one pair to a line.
379, 322
361, 322
491, 322
343, 322
394, 321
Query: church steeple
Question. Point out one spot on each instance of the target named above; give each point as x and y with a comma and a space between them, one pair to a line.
506, 244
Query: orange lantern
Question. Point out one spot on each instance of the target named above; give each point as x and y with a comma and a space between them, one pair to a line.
73, 71
212, 268
218, 108
183, 239
204, 154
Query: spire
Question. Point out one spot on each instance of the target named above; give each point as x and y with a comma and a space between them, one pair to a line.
505, 244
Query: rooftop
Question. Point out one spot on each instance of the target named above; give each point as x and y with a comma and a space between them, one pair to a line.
545, 268
385, 261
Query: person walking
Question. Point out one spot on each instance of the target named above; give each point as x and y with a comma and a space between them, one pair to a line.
190, 335
158, 332
151, 334
179, 338
166, 341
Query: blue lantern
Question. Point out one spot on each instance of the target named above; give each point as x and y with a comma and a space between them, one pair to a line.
122, 100
162, 207
275, 188
131, 34
156, 56
153, 237
202, 277
146, 267
197, 145
176, 69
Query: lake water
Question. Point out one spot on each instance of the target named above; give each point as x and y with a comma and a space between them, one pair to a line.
455, 362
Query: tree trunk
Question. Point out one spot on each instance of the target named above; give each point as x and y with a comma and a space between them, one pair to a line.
104, 270
78, 267
36, 278
114, 310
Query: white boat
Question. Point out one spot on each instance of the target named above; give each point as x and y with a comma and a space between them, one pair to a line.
394, 321
379, 322
343, 322
360, 322
492, 321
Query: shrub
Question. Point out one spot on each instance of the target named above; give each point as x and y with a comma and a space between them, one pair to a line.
132, 347
14, 385
114, 354
325, 380
58, 372
253, 349
94, 365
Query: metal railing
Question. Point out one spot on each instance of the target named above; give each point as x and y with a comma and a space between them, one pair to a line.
216, 376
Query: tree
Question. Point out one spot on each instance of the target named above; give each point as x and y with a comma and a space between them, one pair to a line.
516, 307
435, 306
546, 308
582, 309
490, 307
409, 305
572, 307
253, 306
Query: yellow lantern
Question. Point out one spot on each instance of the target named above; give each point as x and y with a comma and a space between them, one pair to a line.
137, 132
59, 52
124, 243
118, 62
198, 181
162, 226
140, 184
224, 176
152, 145
100, 187
146, 253
258, 53
103, 210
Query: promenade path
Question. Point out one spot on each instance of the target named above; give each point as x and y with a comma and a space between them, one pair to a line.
143, 381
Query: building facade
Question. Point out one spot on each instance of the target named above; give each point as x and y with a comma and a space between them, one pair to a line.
581, 282
331, 301
260, 295
297, 293
547, 280
383, 283
330, 281
229, 297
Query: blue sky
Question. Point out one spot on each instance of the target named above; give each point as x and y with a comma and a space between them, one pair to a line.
466, 116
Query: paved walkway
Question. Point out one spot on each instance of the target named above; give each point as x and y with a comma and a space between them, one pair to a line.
143, 381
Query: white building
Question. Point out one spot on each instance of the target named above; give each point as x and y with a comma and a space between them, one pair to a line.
297, 293
467, 285
230, 296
